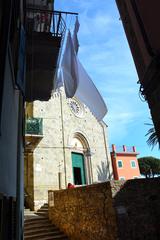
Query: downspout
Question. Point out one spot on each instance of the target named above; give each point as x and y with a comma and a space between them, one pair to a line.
19, 184
108, 157
63, 145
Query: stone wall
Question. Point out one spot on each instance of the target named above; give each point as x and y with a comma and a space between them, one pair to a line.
137, 203
85, 213
123, 210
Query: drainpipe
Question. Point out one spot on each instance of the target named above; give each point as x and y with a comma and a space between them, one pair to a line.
64, 153
19, 181
102, 123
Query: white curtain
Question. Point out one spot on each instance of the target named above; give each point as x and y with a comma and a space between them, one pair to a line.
69, 68
74, 37
76, 80
88, 94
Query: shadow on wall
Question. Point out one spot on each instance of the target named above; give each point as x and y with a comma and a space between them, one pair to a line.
137, 204
103, 172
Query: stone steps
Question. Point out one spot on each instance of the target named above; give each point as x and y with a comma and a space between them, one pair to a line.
43, 211
50, 238
53, 235
45, 229
38, 227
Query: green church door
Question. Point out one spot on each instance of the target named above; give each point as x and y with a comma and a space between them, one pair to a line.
78, 169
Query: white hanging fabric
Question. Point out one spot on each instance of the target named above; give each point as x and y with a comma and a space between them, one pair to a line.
74, 37
69, 68
86, 91
88, 94
76, 80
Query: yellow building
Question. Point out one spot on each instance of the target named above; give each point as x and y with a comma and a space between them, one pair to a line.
64, 144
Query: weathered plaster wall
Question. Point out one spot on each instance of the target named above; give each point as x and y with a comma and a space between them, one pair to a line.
85, 213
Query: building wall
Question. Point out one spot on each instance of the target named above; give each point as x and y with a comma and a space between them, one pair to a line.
8, 134
125, 155
53, 154
11, 156
127, 171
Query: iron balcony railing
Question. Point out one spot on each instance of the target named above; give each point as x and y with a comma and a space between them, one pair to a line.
34, 126
42, 20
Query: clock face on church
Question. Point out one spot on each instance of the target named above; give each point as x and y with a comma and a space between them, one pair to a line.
76, 107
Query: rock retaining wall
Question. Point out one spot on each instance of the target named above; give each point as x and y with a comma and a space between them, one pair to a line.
116, 210
84, 213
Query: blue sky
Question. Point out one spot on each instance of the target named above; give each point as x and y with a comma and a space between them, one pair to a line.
106, 56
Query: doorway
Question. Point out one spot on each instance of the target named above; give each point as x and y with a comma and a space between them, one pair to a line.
78, 169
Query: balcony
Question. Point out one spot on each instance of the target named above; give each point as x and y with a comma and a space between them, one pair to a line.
44, 35
34, 126
33, 132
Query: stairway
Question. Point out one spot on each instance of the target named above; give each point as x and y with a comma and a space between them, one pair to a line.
39, 227
43, 211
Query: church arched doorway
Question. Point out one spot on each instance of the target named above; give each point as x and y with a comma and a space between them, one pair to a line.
78, 168
81, 166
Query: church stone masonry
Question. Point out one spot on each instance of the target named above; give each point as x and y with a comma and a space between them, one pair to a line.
73, 148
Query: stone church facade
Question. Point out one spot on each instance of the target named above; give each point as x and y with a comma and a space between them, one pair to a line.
72, 148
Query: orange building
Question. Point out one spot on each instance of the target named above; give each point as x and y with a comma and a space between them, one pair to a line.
125, 163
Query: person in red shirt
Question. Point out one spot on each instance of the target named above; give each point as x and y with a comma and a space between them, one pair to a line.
70, 185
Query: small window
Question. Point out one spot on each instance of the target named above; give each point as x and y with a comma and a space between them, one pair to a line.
121, 178
120, 164
133, 164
